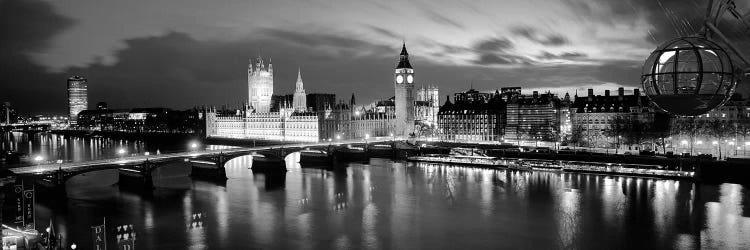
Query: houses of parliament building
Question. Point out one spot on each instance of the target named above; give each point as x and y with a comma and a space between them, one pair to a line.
318, 117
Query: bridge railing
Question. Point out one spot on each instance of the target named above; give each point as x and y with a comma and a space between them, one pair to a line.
130, 160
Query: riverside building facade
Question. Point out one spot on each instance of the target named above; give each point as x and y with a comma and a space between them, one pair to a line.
533, 117
472, 120
594, 115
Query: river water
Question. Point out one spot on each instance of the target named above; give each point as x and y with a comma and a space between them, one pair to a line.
388, 204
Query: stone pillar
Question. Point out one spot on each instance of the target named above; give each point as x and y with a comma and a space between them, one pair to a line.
137, 178
209, 170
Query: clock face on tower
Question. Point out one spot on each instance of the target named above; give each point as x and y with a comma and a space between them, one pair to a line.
410, 79
399, 79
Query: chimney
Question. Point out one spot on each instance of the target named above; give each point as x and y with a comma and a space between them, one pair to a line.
620, 91
535, 94
636, 92
606, 93
591, 92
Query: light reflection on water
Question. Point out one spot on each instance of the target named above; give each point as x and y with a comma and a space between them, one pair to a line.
54, 147
386, 204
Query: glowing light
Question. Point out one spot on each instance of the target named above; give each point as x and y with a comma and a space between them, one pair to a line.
699, 142
715, 142
731, 143
147, 154
367, 136
683, 142
666, 56
121, 151
338, 137
193, 145
73, 246
38, 158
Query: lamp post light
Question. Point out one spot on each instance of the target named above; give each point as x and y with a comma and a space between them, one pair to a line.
617, 149
48, 236
121, 152
73, 246
38, 159
59, 167
193, 145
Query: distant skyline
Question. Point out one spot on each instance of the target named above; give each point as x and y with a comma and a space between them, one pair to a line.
183, 53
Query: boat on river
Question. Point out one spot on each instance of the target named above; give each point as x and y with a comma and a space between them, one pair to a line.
557, 165
475, 160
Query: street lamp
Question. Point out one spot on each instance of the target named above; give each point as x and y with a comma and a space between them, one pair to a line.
38, 159
193, 145
121, 151
73, 246
48, 236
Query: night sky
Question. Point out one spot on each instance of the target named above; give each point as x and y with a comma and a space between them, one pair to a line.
185, 53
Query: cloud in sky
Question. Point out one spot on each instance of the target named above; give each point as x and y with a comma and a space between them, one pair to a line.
167, 53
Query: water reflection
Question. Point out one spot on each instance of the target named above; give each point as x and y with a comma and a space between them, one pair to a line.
54, 147
387, 204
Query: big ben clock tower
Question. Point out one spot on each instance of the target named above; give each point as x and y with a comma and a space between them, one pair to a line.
403, 78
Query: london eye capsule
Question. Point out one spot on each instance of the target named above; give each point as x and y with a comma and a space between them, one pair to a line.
688, 76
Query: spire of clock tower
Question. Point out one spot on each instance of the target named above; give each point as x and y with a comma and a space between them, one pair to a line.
403, 61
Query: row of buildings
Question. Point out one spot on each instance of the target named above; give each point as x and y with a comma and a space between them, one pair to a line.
472, 116
319, 117
508, 115
136, 120
140, 120
611, 120
504, 115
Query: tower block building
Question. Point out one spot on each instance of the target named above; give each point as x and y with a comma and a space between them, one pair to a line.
77, 97
404, 99
300, 98
260, 85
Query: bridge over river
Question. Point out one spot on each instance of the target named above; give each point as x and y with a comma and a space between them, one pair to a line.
135, 171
